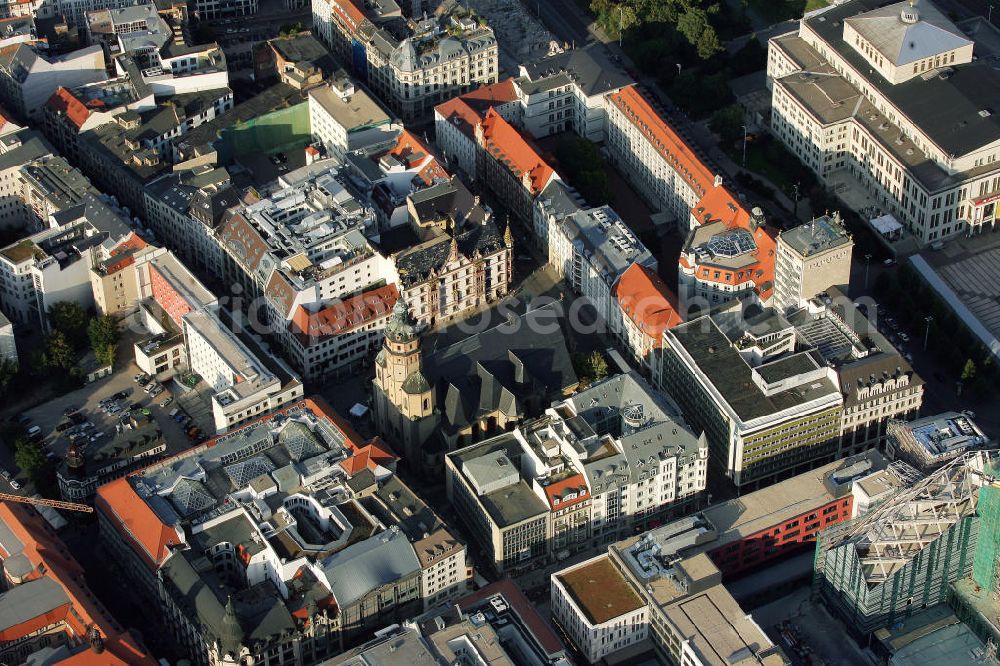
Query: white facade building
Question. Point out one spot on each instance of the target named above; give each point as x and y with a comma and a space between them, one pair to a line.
597, 609
343, 118
655, 159
849, 98
28, 78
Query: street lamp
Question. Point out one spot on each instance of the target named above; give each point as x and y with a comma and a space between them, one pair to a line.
795, 212
868, 259
621, 23
927, 331
744, 146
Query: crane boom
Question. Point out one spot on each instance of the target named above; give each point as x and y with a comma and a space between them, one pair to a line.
38, 501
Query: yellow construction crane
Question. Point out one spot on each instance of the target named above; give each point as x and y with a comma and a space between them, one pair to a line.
38, 501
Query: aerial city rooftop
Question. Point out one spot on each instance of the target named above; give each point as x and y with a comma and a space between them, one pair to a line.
439, 332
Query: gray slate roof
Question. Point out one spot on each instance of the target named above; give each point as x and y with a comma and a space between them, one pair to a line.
946, 109
502, 368
904, 43
27, 600
369, 564
588, 67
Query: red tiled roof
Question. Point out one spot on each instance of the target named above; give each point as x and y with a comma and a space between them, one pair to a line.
719, 204
458, 112
573, 484
344, 316
677, 153
49, 556
467, 110
349, 12
63, 100
507, 146
647, 300
414, 154
136, 521
492, 94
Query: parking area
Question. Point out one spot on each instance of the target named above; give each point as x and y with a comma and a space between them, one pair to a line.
98, 414
197, 403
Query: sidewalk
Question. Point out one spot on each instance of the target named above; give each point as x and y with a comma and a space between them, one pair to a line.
701, 140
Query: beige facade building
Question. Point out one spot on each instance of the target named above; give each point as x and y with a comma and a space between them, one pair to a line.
811, 258
889, 106
412, 64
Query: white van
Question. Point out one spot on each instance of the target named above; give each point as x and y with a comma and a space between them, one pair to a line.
34, 431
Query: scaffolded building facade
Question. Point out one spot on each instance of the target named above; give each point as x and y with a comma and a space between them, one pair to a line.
902, 556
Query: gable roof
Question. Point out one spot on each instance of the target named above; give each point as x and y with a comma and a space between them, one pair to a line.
647, 300
344, 316
506, 145
63, 101
664, 139
137, 522
555, 492
60, 591
409, 150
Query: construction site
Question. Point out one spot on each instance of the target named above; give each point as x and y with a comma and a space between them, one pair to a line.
907, 554
521, 36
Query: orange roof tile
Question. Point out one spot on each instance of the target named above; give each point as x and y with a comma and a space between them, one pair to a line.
64, 101
410, 151
507, 146
349, 12
458, 112
500, 92
677, 153
719, 204
136, 521
647, 300
572, 484
344, 316
50, 557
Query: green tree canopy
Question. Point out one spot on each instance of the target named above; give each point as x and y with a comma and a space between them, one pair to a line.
8, 370
105, 354
69, 319
29, 457
103, 330
727, 122
59, 354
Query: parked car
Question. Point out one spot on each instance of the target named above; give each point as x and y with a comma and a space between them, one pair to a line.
14, 484
166, 401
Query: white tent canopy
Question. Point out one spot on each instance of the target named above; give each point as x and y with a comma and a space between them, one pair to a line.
886, 224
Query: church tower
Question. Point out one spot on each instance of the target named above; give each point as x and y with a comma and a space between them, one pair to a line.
398, 367
403, 399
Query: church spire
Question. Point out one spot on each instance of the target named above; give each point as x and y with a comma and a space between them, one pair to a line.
400, 327
231, 640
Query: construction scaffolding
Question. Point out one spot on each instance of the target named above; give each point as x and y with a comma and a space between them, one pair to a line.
902, 556
984, 569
